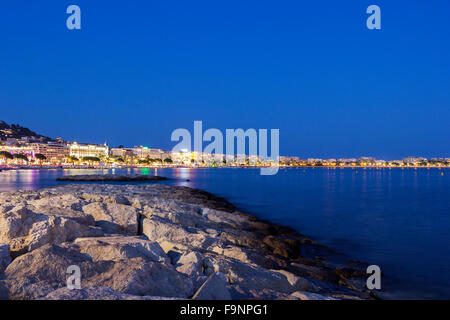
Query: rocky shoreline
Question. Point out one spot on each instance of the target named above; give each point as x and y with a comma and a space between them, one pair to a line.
158, 242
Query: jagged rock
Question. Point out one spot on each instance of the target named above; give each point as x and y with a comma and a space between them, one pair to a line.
240, 237
247, 276
297, 283
25, 230
62, 201
5, 258
96, 293
117, 248
215, 288
223, 217
191, 264
157, 229
285, 247
139, 277
246, 255
36, 274
114, 217
57, 230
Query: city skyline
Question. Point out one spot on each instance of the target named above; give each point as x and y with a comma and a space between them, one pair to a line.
136, 72
22, 140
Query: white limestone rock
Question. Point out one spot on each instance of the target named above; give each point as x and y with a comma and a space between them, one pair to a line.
114, 217
115, 248
215, 288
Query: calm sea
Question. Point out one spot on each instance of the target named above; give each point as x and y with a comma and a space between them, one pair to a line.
398, 219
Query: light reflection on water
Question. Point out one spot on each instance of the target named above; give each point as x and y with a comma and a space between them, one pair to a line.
398, 219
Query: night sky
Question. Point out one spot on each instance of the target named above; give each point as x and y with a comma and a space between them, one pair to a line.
140, 69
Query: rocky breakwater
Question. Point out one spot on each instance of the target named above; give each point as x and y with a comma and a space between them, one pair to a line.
156, 242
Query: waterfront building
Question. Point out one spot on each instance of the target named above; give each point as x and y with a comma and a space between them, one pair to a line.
286, 159
179, 157
142, 152
253, 159
210, 158
414, 160
366, 161
124, 153
81, 150
56, 153
28, 151
348, 161
330, 162
12, 141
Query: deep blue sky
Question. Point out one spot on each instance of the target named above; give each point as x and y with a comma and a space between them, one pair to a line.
140, 69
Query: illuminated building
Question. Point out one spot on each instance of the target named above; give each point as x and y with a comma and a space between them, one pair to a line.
124, 153
25, 150
81, 150
56, 153
147, 153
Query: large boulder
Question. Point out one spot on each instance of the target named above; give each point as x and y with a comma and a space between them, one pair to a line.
137, 276
36, 274
224, 218
248, 277
157, 229
57, 230
283, 246
191, 264
57, 201
297, 283
25, 230
114, 217
215, 288
117, 248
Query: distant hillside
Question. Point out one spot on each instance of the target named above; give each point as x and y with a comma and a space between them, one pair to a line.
17, 131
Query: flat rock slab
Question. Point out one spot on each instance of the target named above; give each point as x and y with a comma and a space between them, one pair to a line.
111, 177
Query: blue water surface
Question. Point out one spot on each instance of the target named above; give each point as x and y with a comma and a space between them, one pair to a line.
398, 219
